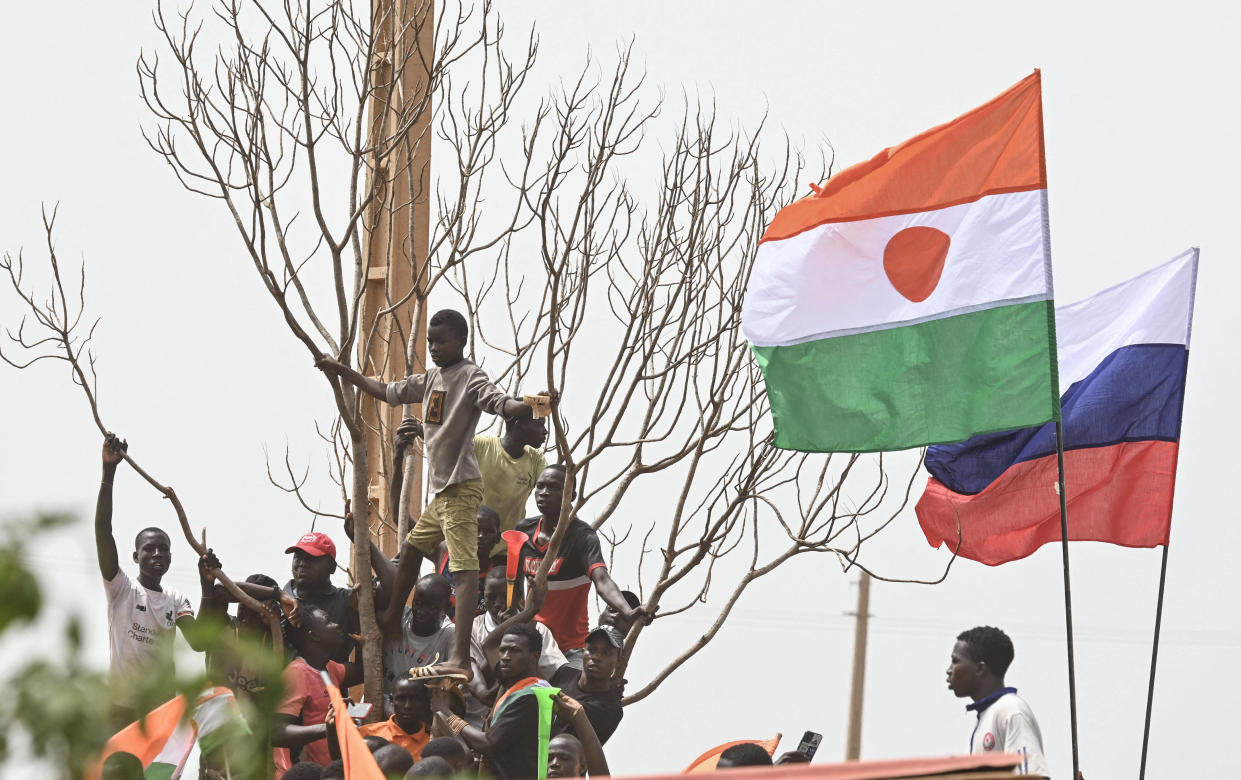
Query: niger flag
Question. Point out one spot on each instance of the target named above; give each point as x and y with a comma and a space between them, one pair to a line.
162, 742
909, 301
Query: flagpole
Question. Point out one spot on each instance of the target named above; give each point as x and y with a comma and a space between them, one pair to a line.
1150, 690
1068, 597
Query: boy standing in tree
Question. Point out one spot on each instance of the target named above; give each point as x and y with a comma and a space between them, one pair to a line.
453, 393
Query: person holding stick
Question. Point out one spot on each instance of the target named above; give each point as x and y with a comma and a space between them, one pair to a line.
453, 393
142, 611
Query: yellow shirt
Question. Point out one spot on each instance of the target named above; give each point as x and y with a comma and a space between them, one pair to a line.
388, 729
507, 482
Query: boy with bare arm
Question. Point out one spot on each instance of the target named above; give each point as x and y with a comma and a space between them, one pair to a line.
453, 393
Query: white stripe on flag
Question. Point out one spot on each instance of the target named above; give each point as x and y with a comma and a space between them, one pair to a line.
830, 280
1154, 308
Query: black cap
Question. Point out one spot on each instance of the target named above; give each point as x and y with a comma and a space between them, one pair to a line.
631, 598
609, 633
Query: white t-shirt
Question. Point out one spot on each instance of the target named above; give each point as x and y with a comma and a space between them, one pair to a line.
1008, 726
401, 655
136, 618
551, 659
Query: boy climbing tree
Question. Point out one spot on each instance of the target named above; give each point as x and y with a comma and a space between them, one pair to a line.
453, 393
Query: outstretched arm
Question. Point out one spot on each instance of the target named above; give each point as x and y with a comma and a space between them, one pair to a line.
409, 429
105, 545
369, 385
287, 733
199, 635
403, 584
607, 589
383, 568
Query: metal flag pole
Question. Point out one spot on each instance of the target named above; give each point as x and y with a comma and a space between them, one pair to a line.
1068, 593
1150, 690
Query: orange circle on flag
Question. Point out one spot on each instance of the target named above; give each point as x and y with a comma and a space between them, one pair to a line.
914, 261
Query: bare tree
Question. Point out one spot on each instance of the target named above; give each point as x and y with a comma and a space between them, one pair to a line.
58, 337
634, 316
621, 290
269, 108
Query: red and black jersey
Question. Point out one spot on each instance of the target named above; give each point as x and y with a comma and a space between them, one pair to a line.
564, 611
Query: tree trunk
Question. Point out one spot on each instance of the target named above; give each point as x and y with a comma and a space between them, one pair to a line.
372, 638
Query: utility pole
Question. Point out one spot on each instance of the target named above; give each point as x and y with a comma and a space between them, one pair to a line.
396, 241
853, 739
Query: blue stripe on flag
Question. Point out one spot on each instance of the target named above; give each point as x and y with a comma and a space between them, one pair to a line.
1133, 395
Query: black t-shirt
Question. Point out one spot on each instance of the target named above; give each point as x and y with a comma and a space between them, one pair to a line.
336, 604
603, 708
515, 740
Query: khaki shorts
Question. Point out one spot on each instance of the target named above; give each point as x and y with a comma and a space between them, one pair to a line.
452, 516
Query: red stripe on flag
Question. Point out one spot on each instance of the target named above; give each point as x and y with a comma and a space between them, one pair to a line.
995, 148
1121, 494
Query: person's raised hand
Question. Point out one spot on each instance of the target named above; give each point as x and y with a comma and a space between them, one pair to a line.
328, 365
553, 395
441, 700
641, 613
567, 707
409, 429
330, 719
349, 525
208, 565
114, 448
292, 609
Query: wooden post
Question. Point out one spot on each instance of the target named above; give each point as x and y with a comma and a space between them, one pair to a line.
396, 242
853, 738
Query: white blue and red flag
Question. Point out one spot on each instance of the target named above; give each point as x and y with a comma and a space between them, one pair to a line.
1122, 360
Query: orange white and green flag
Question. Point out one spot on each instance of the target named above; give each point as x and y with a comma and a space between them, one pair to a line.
909, 300
161, 743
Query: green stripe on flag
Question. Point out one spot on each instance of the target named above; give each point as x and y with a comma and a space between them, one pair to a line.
159, 771
935, 382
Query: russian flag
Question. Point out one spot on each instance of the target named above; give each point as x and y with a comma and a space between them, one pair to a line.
1122, 358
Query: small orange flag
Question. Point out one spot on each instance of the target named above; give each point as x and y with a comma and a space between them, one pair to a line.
707, 761
359, 763
155, 740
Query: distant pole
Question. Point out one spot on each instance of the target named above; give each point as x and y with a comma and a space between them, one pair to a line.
853, 740
1150, 690
1068, 593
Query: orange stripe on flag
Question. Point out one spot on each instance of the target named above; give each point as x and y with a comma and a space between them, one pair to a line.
707, 761
144, 739
356, 756
996, 148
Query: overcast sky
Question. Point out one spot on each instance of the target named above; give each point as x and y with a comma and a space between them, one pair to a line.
199, 374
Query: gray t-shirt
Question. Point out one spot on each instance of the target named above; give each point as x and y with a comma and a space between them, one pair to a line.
401, 655
452, 400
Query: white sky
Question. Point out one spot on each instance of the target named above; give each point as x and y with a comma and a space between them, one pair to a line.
198, 372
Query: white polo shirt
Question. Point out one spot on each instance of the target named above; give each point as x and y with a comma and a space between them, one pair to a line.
1007, 725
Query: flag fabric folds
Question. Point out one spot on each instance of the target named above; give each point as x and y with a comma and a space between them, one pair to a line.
1123, 357
708, 760
356, 756
908, 301
162, 742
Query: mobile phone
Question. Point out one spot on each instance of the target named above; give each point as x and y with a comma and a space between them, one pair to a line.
809, 743
364, 709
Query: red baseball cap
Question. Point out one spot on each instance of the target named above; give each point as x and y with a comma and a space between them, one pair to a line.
316, 544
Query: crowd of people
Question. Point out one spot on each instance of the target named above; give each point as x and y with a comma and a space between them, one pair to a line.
469, 686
